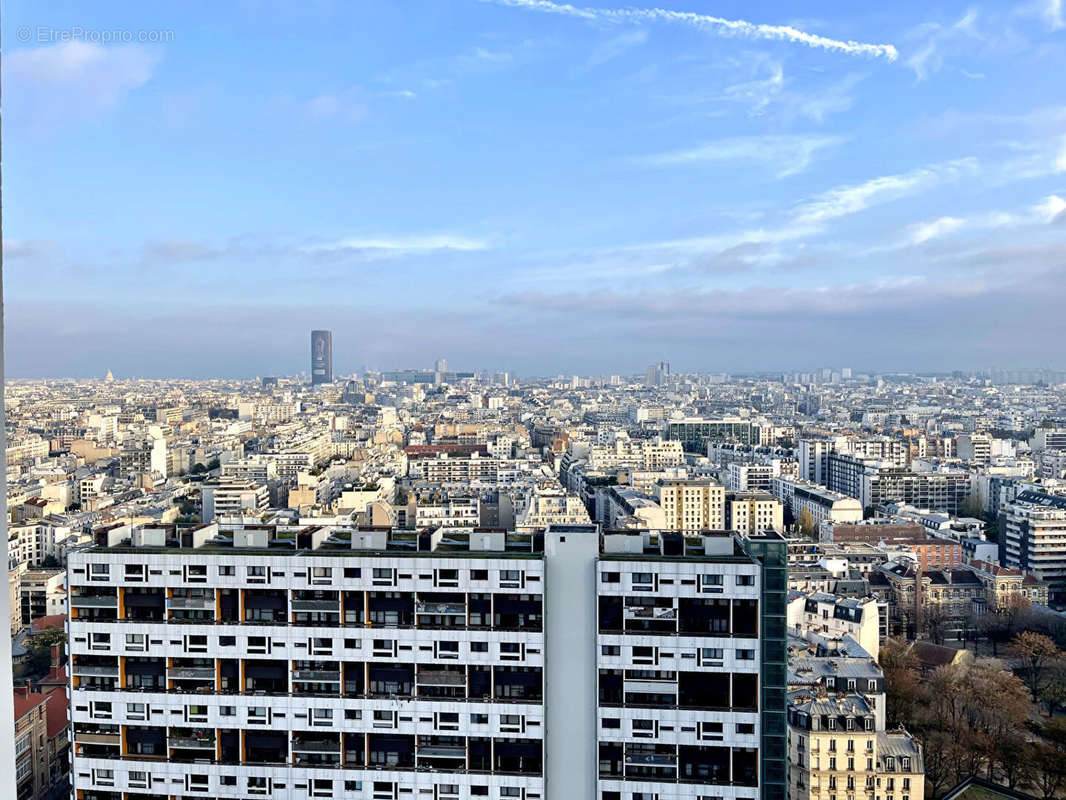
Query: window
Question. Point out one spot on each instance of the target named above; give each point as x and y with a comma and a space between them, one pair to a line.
479, 647
227, 641
479, 574
611, 723
353, 572
610, 650
227, 711
479, 719
712, 654
745, 655
745, 580
353, 714
138, 780
100, 710
321, 716
510, 722
226, 572
136, 711
99, 572
611, 577
746, 727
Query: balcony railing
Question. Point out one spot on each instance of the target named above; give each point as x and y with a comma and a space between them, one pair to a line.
316, 747
192, 742
97, 738
317, 675
441, 678
94, 601
442, 751
193, 603
316, 605
104, 670
201, 673
444, 609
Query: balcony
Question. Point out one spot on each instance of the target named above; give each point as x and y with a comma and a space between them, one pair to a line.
192, 673
442, 751
192, 742
668, 760
650, 612
97, 738
317, 675
193, 603
104, 670
441, 609
317, 605
441, 677
316, 746
94, 601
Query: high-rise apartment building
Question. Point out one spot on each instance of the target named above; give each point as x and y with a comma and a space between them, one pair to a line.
693, 504
291, 662
321, 357
749, 512
1034, 538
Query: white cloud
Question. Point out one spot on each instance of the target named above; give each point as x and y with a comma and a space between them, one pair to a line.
1052, 208
846, 200
924, 231
401, 245
936, 40
615, 47
1060, 159
786, 154
705, 22
772, 92
1045, 212
1053, 14
73, 79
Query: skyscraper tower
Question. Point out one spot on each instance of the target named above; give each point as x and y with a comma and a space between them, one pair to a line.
321, 357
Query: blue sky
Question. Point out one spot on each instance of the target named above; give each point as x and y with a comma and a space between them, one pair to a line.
533, 186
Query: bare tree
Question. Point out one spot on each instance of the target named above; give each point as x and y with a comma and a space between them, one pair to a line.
1032, 653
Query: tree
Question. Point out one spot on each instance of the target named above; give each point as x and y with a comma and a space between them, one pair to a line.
806, 523
935, 620
1053, 692
1014, 756
1054, 731
1032, 653
198, 469
39, 646
1048, 770
970, 721
902, 678
971, 507
999, 625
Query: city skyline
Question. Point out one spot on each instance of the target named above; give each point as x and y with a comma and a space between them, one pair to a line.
523, 181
